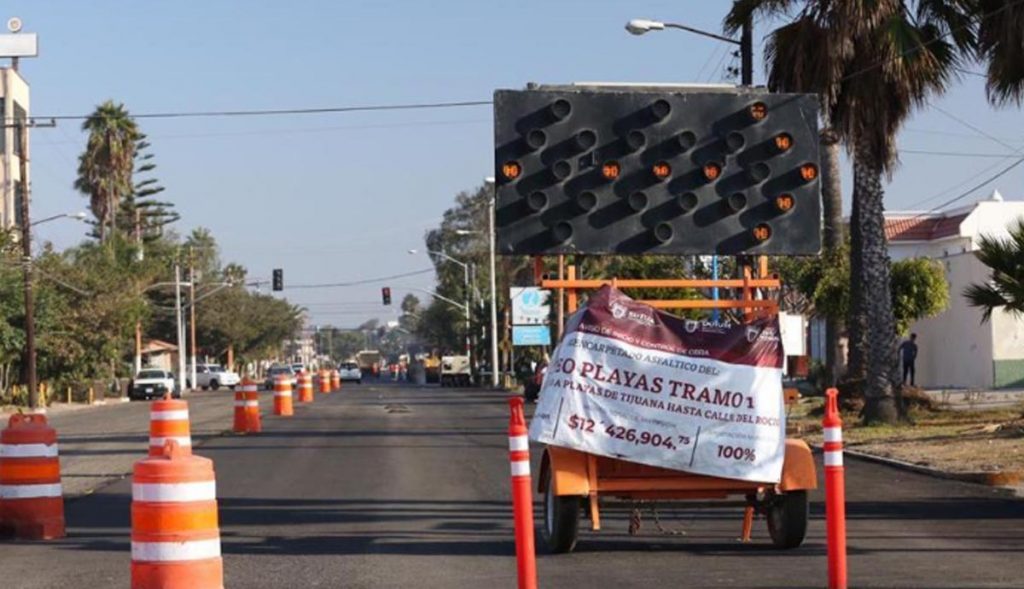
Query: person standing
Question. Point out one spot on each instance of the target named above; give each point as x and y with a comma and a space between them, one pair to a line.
908, 353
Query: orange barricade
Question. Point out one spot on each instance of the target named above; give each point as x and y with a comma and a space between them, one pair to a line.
31, 497
325, 381
168, 420
175, 535
305, 387
835, 492
522, 498
336, 380
283, 396
247, 408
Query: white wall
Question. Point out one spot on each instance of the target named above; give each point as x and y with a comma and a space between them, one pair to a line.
12, 89
954, 348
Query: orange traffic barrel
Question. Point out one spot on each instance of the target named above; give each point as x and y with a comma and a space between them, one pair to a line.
324, 378
283, 396
175, 534
336, 380
240, 426
31, 497
305, 387
168, 420
252, 410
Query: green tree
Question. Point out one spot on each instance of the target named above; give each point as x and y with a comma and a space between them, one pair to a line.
106, 167
883, 59
141, 214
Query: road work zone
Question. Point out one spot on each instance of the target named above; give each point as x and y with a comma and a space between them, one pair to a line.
392, 486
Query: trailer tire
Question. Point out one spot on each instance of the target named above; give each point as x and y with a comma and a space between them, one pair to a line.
787, 519
561, 524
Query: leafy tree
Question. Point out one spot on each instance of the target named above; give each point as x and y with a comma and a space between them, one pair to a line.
106, 166
1005, 287
1001, 47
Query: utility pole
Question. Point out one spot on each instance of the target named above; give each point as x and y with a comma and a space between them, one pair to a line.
138, 324
747, 54
178, 326
26, 245
192, 311
494, 290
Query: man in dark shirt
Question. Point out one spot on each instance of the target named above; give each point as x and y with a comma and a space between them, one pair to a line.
908, 353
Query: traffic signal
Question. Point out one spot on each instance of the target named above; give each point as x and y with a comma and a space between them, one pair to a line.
278, 279
647, 170
385, 295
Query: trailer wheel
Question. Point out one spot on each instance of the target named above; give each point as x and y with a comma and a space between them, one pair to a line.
561, 518
787, 519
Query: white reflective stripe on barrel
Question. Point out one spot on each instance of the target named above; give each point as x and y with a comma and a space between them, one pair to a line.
175, 415
520, 468
28, 450
175, 551
174, 492
158, 441
834, 458
251, 403
518, 444
248, 388
30, 491
282, 393
833, 434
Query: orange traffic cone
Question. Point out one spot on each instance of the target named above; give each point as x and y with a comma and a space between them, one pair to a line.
31, 497
252, 410
305, 387
240, 426
175, 534
325, 381
336, 380
283, 396
168, 420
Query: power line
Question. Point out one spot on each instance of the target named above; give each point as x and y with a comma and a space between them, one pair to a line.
286, 111
360, 282
958, 153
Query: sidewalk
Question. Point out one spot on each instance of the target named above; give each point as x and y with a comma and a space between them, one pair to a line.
101, 443
976, 399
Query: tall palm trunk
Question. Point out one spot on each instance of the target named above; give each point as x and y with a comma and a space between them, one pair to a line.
855, 330
873, 276
832, 203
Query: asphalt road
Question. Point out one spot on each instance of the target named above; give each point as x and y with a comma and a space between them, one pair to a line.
382, 486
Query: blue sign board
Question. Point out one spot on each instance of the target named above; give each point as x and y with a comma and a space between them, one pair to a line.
531, 335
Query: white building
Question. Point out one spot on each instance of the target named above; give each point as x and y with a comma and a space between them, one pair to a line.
955, 348
14, 93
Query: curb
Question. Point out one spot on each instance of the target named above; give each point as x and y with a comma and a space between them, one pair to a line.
975, 478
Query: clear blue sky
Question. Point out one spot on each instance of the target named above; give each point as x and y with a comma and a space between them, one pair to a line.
342, 197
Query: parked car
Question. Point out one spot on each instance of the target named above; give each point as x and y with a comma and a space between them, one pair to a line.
350, 372
278, 369
213, 376
299, 367
153, 383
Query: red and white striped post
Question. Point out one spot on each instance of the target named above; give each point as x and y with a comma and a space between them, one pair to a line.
522, 495
835, 492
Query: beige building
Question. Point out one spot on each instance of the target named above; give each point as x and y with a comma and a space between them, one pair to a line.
15, 93
957, 350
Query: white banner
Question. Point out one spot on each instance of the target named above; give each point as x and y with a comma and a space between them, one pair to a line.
630, 382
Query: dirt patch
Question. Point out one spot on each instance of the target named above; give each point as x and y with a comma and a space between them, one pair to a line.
951, 441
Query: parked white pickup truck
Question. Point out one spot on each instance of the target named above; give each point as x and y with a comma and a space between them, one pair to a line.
213, 376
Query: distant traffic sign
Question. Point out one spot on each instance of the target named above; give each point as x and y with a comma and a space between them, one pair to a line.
621, 170
530, 305
531, 335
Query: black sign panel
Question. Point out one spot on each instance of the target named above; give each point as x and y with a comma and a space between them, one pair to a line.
619, 170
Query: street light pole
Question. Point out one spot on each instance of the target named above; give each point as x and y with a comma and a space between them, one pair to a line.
745, 42
494, 287
192, 311
178, 327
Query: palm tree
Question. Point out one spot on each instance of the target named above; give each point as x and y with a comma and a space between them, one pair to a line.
1001, 46
105, 167
1005, 288
872, 62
